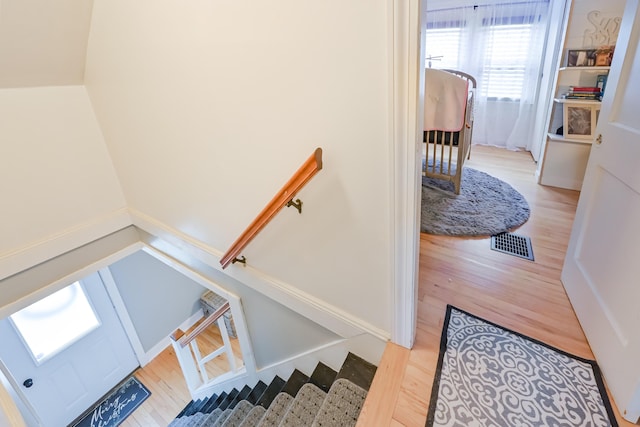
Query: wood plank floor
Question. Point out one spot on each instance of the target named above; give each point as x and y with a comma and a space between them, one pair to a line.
518, 294
163, 377
521, 295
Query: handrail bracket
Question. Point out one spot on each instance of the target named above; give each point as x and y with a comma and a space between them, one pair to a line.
241, 260
284, 197
297, 204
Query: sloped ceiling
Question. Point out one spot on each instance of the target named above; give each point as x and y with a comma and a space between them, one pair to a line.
43, 42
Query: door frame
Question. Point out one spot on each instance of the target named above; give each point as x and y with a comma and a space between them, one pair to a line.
407, 107
15, 387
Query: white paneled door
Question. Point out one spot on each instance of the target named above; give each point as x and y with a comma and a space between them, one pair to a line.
60, 381
602, 268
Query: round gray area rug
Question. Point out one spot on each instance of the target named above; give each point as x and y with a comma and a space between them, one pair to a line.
485, 206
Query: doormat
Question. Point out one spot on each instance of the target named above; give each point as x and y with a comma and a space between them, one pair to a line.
117, 406
490, 376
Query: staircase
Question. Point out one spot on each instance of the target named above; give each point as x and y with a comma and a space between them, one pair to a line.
325, 398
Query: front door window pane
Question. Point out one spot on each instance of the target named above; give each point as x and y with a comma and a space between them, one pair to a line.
55, 322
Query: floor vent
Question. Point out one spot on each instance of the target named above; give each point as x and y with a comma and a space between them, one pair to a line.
512, 244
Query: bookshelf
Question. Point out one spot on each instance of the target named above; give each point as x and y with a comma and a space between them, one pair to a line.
573, 111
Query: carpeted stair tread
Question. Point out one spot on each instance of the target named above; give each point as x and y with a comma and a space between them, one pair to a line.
256, 392
325, 398
357, 370
276, 410
304, 407
238, 414
195, 419
296, 380
323, 376
211, 418
253, 417
274, 387
192, 420
222, 418
342, 405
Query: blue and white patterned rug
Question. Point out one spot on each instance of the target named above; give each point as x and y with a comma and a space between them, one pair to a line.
490, 376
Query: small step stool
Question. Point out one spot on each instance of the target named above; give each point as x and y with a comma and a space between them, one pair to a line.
210, 302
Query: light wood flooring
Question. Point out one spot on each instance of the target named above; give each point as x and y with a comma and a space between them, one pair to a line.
163, 377
518, 294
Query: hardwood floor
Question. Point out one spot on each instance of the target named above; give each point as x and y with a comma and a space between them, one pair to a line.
518, 294
164, 379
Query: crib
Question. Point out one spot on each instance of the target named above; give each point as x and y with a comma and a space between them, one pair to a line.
448, 124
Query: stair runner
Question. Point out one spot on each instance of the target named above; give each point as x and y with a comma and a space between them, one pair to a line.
326, 398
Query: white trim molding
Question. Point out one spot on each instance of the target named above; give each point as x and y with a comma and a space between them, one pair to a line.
64, 241
405, 154
327, 315
29, 286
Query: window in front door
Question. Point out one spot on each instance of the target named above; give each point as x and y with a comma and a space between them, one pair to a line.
55, 322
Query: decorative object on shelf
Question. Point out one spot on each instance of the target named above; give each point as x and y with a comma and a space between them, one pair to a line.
581, 58
579, 121
601, 82
604, 55
604, 32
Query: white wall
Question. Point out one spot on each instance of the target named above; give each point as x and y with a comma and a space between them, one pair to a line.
58, 188
157, 297
209, 107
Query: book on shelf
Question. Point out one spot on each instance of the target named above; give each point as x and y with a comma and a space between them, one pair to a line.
587, 89
584, 93
601, 82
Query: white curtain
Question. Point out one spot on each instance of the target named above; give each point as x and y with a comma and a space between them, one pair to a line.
501, 45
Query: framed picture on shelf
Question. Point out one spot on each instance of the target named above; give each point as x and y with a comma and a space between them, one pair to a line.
604, 55
579, 120
581, 58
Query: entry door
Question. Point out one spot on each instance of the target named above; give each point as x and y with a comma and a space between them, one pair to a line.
63, 386
602, 268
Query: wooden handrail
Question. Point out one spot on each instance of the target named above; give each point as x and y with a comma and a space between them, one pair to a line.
182, 339
286, 193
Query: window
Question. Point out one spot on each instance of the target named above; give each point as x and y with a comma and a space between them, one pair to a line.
496, 43
444, 45
55, 322
506, 60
